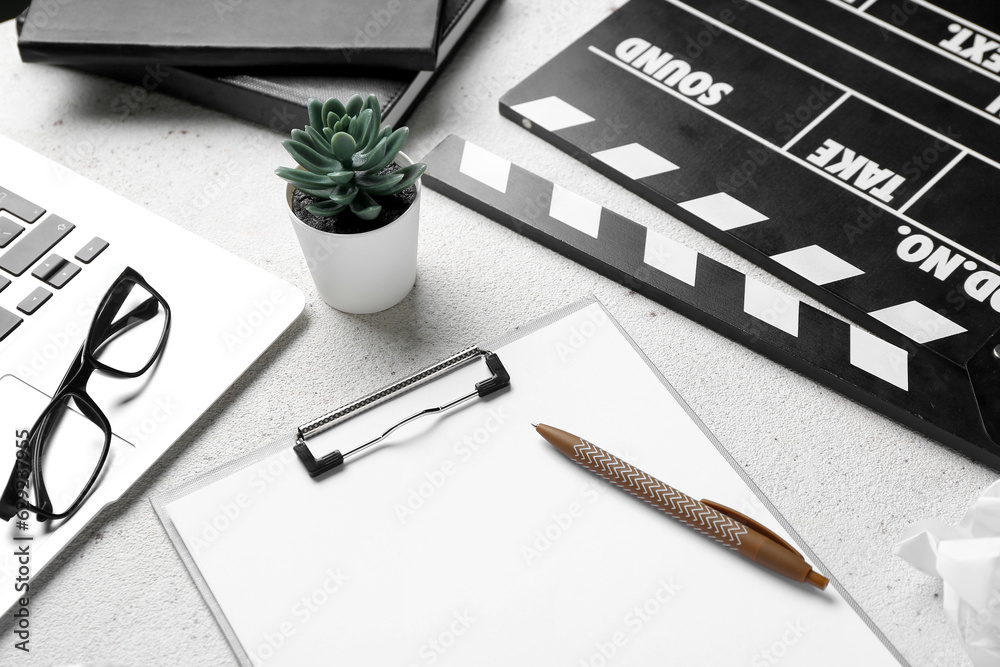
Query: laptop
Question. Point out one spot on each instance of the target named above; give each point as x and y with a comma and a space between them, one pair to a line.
63, 241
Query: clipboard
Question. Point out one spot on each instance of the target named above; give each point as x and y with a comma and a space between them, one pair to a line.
465, 539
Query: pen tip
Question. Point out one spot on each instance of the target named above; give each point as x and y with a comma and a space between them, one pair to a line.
535, 425
816, 579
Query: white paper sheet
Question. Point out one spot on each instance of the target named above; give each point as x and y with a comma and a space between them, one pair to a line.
967, 559
468, 540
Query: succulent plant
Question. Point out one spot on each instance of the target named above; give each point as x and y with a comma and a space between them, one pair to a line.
341, 153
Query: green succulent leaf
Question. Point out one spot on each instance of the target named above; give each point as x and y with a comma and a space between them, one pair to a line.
366, 138
380, 188
359, 130
316, 115
354, 105
333, 106
365, 161
319, 142
325, 209
343, 148
320, 190
372, 103
381, 164
328, 133
396, 140
303, 137
320, 193
376, 135
298, 177
365, 207
287, 173
392, 145
344, 194
374, 179
410, 176
311, 159
341, 177
313, 139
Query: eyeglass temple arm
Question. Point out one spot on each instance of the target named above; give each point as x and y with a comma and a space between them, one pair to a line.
144, 312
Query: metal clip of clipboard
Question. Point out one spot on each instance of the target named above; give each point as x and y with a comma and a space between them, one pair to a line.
498, 379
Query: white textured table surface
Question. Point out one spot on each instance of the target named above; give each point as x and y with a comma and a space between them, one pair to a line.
847, 478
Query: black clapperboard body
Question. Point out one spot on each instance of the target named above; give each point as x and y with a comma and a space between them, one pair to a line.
851, 149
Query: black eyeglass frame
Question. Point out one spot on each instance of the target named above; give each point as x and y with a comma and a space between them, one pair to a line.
107, 325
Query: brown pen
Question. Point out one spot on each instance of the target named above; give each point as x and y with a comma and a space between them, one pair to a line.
724, 525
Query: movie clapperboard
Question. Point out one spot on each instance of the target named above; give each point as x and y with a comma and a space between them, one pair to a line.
852, 149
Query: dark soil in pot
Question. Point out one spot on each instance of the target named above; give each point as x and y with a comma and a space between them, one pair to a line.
345, 222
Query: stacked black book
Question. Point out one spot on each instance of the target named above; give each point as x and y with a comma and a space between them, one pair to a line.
256, 59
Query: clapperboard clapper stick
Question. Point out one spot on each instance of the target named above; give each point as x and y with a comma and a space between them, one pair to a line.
725, 525
955, 404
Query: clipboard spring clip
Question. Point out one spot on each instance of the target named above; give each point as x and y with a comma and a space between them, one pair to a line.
498, 380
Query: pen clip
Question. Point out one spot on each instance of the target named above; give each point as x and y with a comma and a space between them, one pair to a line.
744, 519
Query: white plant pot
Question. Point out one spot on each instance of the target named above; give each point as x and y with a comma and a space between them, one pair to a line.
366, 272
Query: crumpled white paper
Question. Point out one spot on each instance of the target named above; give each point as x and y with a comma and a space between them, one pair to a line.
967, 558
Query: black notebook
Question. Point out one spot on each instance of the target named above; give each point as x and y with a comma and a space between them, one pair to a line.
276, 98
854, 155
230, 33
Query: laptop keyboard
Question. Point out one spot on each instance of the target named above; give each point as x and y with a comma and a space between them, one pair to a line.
26, 249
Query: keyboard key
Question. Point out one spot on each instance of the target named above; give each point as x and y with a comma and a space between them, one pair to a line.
48, 267
92, 250
8, 231
8, 322
56, 271
66, 273
36, 243
3, 283
19, 206
33, 301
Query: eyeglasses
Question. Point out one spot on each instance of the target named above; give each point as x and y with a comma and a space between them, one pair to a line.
126, 337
